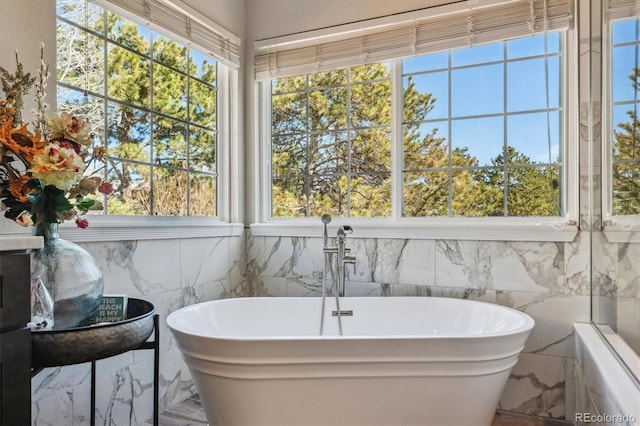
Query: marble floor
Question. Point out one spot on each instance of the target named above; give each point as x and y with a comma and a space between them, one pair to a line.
190, 413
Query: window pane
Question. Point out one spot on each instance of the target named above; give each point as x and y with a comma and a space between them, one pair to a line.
76, 12
370, 72
202, 149
289, 113
478, 193
624, 31
426, 96
131, 188
535, 136
328, 109
170, 148
371, 150
328, 153
533, 191
202, 195
477, 54
127, 33
622, 76
478, 140
477, 90
202, 67
289, 84
533, 84
169, 92
81, 61
169, 52
288, 197
371, 104
202, 104
129, 77
328, 194
328, 78
425, 63
371, 195
626, 181
129, 134
426, 147
169, 192
533, 46
426, 194
289, 155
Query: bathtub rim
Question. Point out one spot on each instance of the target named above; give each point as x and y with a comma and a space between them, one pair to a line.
529, 323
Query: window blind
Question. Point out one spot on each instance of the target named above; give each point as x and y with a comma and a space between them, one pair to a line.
415, 33
622, 8
182, 24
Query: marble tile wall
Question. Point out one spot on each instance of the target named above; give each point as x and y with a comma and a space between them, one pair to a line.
549, 281
169, 273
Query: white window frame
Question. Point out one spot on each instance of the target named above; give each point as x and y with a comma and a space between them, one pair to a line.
618, 229
558, 229
123, 227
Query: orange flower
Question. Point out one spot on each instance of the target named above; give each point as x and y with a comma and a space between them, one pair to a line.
18, 189
20, 142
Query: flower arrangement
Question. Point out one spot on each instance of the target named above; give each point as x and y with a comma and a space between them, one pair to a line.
49, 174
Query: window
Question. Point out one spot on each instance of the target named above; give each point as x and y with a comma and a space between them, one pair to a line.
482, 134
331, 143
483, 130
153, 103
624, 132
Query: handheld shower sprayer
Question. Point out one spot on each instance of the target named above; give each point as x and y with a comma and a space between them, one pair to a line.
325, 236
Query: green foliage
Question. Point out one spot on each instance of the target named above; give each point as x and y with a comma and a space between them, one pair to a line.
322, 165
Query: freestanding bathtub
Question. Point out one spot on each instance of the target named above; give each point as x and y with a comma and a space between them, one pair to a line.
400, 361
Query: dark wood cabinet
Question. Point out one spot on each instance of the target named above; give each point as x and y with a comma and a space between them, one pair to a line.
15, 339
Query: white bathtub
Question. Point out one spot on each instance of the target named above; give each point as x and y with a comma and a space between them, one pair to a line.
401, 361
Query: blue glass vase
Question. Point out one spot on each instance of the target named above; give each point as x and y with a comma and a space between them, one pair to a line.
71, 275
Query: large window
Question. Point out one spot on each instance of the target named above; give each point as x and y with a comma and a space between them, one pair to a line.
331, 143
482, 134
151, 100
625, 127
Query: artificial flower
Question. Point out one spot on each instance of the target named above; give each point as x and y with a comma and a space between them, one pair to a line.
65, 126
88, 185
82, 223
105, 188
19, 141
58, 166
19, 188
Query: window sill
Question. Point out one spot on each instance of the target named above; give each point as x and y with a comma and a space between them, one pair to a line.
125, 228
479, 229
623, 229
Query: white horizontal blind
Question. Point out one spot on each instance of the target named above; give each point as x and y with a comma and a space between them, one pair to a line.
622, 8
172, 22
438, 28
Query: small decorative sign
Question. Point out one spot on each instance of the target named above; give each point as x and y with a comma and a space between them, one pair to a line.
112, 309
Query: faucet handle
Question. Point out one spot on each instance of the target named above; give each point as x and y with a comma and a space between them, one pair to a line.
350, 259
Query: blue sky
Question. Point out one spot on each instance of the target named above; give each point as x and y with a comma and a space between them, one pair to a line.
477, 102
